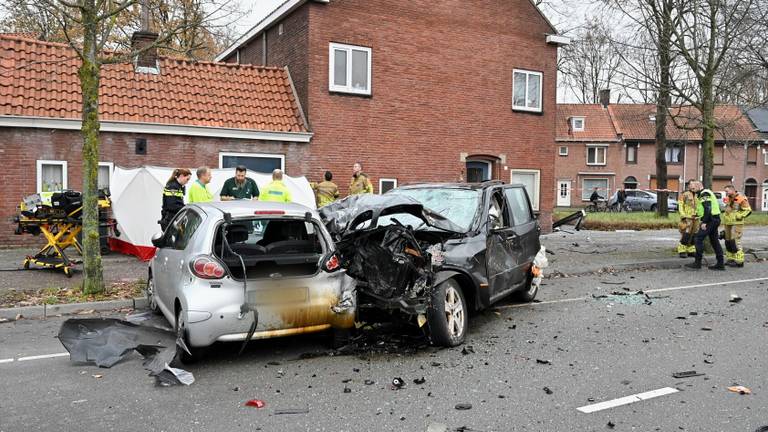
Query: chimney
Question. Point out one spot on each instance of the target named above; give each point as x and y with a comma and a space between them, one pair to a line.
140, 40
605, 97
143, 38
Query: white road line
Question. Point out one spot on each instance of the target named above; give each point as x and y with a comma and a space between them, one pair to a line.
627, 400
6, 360
44, 356
650, 291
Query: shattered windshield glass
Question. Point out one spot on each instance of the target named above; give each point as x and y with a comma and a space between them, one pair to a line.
457, 205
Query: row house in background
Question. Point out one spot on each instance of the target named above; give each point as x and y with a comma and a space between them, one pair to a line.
612, 146
419, 90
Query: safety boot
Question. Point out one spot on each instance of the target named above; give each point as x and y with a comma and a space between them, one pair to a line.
691, 254
718, 266
696, 265
735, 264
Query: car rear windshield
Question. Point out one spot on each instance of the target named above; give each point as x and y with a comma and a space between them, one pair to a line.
457, 205
279, 247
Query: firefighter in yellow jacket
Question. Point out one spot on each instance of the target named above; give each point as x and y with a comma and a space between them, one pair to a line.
688, 225
360, 183
737, 209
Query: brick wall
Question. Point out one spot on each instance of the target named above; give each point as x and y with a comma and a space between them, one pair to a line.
290, 49
26, 146
442, 86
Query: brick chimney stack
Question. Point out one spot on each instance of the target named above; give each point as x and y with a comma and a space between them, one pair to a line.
143, 38
605, 97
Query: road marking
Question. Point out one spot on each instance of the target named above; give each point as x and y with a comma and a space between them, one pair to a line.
6, 360
627, 400
650, 291
44, 356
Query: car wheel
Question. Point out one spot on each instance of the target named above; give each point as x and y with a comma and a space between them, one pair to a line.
152, 296
528, 293
194, 354
448, 315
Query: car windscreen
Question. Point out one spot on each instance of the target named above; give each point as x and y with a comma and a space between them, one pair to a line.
457, 205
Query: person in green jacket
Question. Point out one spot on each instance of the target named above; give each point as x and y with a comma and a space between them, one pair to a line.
276, 191
198, 192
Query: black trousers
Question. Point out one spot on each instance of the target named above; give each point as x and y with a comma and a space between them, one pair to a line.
712, 234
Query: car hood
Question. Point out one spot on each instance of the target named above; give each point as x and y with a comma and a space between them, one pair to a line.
342, 216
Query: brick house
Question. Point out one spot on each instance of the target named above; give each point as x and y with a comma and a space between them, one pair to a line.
612, 146
419, 90
169, 113
759, 117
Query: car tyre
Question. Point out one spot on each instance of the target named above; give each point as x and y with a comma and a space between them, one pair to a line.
528, 293
448, 316
194, 354
152, 296
653, 207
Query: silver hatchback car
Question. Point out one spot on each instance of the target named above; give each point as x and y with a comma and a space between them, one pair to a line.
218, 262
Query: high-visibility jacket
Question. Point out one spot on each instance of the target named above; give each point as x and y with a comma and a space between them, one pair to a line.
275, 192
708, 196
360, 184
686, 205
326, 192
737, 209
199, 193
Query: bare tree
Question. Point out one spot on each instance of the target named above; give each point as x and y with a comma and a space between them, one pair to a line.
90, 28
590, 63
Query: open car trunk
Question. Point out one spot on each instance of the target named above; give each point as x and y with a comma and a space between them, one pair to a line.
270, 248
393, 262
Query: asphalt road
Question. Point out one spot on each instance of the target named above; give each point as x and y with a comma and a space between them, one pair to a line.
600, 349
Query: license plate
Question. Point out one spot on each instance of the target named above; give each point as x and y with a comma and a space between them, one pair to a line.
278, 296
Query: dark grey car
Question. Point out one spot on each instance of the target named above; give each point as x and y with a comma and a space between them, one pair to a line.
435, 252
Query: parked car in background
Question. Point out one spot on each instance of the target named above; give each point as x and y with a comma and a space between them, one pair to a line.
640, 200
217, 262
721, 198
434, 253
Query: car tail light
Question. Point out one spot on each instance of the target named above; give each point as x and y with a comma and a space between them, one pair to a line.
269, 212
332, 264
207, 268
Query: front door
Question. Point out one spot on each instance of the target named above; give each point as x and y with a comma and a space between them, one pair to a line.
478, 171
750, 190
564, 193
765, 196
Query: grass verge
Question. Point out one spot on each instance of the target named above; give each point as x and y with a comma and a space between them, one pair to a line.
55, 295
641, 220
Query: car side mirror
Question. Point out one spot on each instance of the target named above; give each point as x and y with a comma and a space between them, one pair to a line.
157, 240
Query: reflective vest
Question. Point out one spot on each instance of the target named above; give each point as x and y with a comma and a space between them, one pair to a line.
736, 210
714, 205
199, 193
275, 192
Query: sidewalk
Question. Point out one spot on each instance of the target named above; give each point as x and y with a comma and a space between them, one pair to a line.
582, 252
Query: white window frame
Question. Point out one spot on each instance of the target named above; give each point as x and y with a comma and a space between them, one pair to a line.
607, 187
381, 183
561, 152
605, 155
765, 156
40, 164
573, 124
280, 29
111, 166
537, 184
254, 155
333, 46
541, 87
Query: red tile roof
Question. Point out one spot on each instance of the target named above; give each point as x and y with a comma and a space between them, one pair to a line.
597, 123
634, 122
39, 79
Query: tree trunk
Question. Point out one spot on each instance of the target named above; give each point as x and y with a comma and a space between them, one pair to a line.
89, 74
707, 133
662, 108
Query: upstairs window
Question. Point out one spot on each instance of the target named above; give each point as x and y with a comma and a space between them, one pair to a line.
350, 69
563, 151
632, 153
718, 155
526, 90
674, 154
596, 155
577, 124
752, 155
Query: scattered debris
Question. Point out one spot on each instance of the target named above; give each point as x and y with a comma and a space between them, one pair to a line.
419, 381
706, 328
397, 383
463, 406
547, 390
469, 349
735, 298
139, 317
740, 390
97, 376
290, 411
614, 283
255, 403
236, 389
19, 317
347, 389
545, 362
611, 424
708, 361
106, 341
686, 374
681, 318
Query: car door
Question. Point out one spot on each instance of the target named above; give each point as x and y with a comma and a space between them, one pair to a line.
175, 254
526, 230
632, 200
500, 256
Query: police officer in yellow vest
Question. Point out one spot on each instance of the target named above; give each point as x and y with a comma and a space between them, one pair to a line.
737, 209
708, 212
276, 191
686, 206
